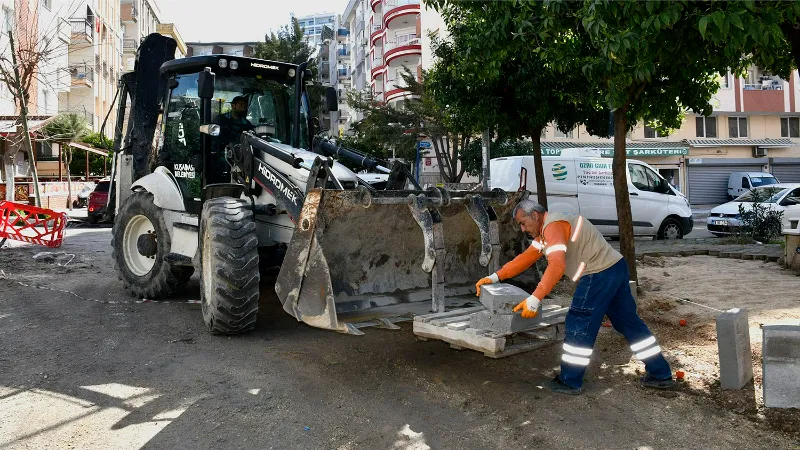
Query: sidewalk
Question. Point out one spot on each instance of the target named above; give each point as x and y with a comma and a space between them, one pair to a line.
75, 214
701, 212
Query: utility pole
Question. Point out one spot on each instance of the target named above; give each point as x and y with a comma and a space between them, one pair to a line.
23, 116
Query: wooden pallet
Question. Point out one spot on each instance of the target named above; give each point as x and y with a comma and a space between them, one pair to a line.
453, 327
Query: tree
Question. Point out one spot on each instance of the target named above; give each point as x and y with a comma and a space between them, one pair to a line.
767, 33
63, 129
395, 130
503, 85
20, 68
646, 60
287, 45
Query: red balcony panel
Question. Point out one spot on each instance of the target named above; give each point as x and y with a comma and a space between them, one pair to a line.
763, 101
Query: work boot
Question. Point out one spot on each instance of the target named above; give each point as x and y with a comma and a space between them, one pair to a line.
652, 382
559, 387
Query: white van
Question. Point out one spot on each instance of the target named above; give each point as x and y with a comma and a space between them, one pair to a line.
741, 182
580, 181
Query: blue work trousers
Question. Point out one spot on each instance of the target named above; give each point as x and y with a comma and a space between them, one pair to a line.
599, 294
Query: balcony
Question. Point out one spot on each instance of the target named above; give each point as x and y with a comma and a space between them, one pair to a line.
377, 34
407, 46
82, 29
129, 45
82, 76
341, 73
374, 4
343, 52
397, 9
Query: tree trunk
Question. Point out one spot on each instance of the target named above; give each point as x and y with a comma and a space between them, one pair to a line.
23, 117
792, 33
623, 200
10, 188
69, 177
541, 189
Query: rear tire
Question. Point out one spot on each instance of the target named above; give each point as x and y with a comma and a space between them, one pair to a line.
145, 275
670, 229
229, 265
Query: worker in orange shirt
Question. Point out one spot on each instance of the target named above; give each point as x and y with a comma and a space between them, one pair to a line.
573, 246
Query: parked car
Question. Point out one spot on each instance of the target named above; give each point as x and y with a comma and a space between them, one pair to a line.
725, 219
580, 181
741, 182
97, 201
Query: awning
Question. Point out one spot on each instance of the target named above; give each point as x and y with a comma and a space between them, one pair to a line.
89, 149
765, 143
633, 148
8, 124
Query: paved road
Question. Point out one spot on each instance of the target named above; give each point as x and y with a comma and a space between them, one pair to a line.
84, 365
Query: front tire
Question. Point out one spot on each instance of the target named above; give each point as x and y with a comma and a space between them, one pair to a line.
140, 242
670, 229
229, 265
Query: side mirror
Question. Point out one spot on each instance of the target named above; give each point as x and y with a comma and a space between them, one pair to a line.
205, 84
331, 99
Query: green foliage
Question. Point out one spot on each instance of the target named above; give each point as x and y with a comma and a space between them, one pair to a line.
287, 45
759, 222
65, 127
98, 140
471, 157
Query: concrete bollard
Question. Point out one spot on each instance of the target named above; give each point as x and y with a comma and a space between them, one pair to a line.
733, 341
781, 364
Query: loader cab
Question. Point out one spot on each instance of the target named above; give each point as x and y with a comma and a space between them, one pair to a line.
276, 105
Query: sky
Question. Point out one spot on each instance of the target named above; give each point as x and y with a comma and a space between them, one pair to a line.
238, 20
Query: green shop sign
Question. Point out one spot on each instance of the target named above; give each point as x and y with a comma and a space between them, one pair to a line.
630, 151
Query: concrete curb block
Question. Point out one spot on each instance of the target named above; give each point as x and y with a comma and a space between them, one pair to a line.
717, 253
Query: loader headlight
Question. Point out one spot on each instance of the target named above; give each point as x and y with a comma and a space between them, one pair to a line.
223, 63
210, 129
234, 65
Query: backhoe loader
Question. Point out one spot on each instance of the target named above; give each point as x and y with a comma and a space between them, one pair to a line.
193, 191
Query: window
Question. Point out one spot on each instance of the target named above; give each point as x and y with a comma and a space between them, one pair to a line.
737, 127
724, 81
44, 151
790, 127
559, 134
652, 133
745, 183
645, 179
706, 126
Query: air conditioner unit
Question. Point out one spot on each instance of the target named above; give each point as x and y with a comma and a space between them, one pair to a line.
759, 152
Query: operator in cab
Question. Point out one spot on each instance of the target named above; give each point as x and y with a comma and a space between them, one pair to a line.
234, 122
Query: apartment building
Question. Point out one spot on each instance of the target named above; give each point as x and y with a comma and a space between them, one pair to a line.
314, 25
221, 48
141, 18
386, 37
95, 62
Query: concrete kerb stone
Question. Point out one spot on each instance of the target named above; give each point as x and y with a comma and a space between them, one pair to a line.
733, 342
781, 364
499, 299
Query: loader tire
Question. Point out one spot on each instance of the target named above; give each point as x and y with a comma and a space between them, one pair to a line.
229, 266
140, 241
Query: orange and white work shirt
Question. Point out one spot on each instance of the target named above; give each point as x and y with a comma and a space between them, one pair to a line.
572, 246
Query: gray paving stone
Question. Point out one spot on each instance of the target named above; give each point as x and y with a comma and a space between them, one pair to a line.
735, 356
501, 298
781, 363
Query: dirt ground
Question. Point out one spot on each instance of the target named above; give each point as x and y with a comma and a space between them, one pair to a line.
82, 365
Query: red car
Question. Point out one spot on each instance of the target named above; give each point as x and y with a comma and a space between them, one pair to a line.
97, 201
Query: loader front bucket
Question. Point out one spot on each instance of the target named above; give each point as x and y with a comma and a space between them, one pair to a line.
354, 251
